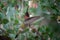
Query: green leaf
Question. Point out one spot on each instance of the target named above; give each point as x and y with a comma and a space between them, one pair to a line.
16, 22
5, 21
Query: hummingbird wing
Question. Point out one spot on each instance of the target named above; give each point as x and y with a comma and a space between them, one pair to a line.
31, 19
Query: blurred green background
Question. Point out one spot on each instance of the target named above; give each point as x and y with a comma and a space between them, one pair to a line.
12, 16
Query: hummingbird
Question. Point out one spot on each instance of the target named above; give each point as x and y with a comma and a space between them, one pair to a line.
27, 22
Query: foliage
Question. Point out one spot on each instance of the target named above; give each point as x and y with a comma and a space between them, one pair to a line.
12, 16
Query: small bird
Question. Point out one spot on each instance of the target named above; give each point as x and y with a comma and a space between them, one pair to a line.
27, 22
